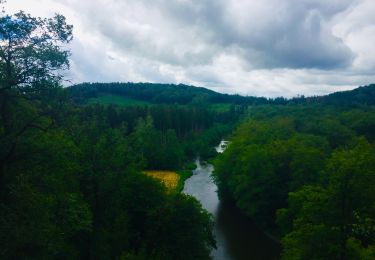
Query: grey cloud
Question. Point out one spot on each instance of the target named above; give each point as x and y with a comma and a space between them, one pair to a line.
281, 34
267, 47
270, 34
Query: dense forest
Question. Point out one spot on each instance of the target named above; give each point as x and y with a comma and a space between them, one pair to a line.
183, 94
161, 93
71, 181
305, 173
72, 161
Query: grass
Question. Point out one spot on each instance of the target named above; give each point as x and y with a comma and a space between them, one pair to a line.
220, 107
173, 181
168, 178
106, 99
117, 100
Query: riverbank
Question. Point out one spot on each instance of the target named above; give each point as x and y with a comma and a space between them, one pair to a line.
237, 236
184, 175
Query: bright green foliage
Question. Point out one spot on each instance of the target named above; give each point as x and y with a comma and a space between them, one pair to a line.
117, 100
309, 170
335, 220
158, 150
264, 160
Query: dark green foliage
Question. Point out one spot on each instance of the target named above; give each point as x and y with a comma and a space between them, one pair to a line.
330, 216
71, 181
43, 209
310, 170
75, 190
182, 94
360, 96
159, 94
117, 100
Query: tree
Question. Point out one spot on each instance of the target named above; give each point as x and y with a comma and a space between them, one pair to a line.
43, 213
336, 220
31, 51
32, 57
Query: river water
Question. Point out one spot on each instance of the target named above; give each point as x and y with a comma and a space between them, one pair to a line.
237, 237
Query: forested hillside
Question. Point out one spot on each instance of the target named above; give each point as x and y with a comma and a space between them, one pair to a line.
159, 93
364, 95
182, 95
306, 174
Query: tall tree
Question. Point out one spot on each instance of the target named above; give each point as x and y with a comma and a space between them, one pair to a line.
32, 58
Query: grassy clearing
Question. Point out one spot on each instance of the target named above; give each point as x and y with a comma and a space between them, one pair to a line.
174, 181
220, 107
117, 100
168, 178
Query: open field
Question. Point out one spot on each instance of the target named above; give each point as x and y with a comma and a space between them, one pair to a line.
220, 107
168, 178
117, 100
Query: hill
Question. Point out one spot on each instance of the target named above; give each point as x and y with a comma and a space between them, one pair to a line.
364, 95
158, 94
125, 94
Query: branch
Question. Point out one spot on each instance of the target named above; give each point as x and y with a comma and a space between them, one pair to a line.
31, 124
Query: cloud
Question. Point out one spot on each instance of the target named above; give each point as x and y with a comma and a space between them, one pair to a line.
266, 33
268, 48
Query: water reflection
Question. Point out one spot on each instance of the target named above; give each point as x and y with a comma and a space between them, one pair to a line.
237, 237
244, 240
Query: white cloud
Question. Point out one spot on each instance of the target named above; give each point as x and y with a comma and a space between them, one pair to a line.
268, 48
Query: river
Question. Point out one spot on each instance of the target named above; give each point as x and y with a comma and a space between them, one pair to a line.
237, 237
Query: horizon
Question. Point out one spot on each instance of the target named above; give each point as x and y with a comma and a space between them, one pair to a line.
306, 48
243, 95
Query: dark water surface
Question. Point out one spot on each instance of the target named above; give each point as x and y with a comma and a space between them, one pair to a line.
236, 235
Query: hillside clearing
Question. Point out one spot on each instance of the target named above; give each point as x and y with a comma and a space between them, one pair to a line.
117, 100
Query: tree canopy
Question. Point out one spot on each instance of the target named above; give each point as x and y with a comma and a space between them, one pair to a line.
306, 174
71, 181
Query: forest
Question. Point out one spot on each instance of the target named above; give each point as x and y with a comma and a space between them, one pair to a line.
306, 175
71, 164
71, 181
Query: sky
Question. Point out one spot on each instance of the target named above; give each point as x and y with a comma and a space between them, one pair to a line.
260, 48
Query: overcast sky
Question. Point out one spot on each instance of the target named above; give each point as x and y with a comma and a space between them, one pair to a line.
264, 48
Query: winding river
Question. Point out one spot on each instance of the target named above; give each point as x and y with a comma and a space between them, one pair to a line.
237, 237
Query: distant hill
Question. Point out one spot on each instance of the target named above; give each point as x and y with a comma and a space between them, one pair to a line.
364, 95
151, 93
158, 94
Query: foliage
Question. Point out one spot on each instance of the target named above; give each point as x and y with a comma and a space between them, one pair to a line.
340, 213
31, 50
159, 93
71, 182
117, 100
306, 174
198, 96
